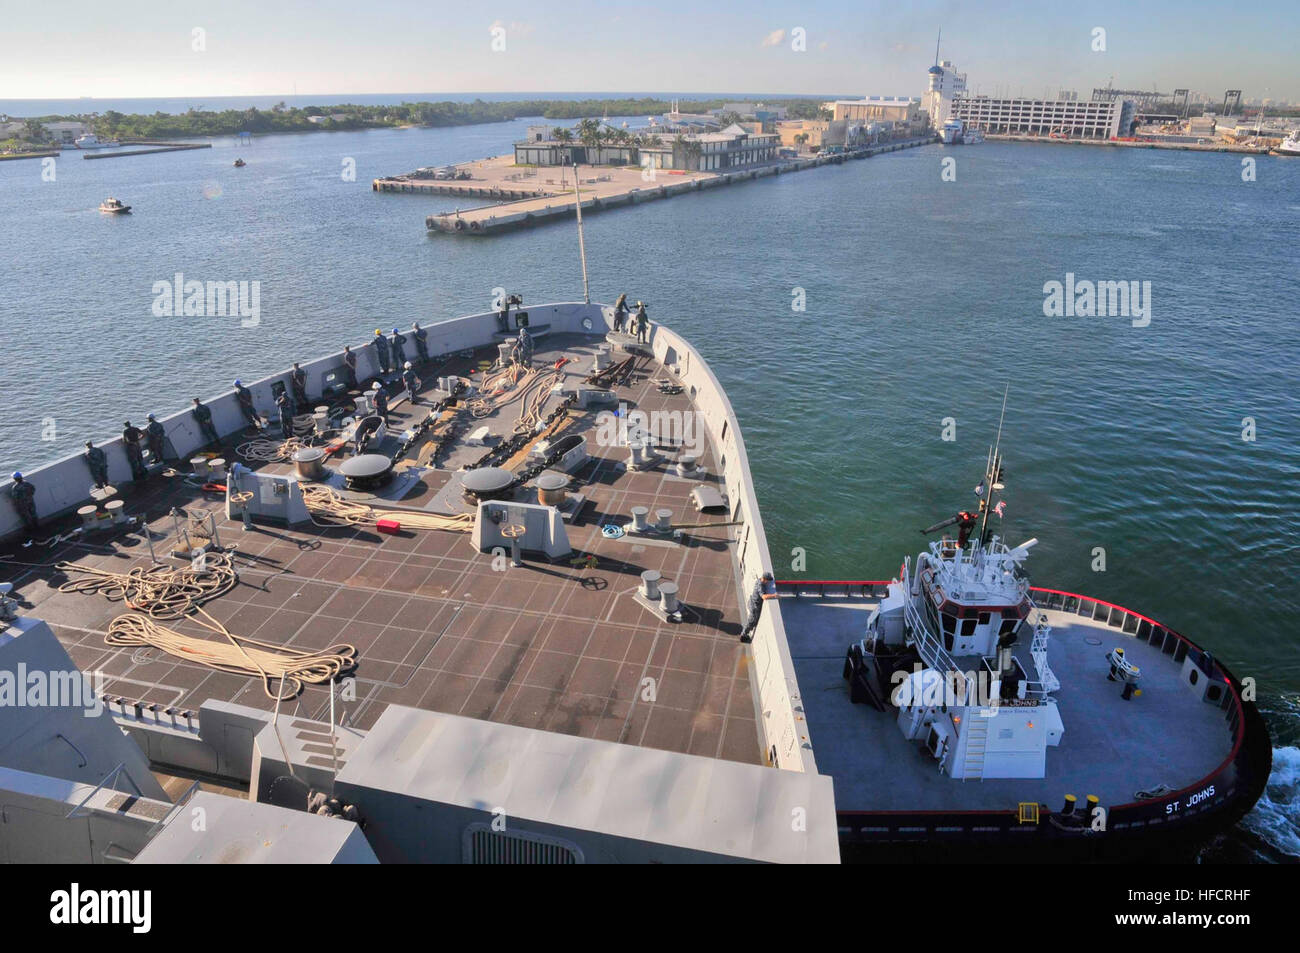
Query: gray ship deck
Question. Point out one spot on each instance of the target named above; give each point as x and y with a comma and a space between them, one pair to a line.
546, 645
1111, 748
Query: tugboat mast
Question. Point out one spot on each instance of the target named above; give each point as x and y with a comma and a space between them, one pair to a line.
992, 473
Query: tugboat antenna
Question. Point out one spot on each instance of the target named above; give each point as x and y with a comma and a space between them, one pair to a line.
993, 468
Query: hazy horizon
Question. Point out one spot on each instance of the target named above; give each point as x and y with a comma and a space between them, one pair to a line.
143, 49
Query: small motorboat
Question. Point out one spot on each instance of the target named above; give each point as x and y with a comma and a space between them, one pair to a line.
113, 206
240, 163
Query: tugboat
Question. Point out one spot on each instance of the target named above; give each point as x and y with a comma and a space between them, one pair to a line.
1290, 146
240, 163
1013, 715
114, 207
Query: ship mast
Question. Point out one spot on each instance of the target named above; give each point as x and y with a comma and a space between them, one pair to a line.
582, 248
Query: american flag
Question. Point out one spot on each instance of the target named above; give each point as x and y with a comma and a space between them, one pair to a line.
1000, 507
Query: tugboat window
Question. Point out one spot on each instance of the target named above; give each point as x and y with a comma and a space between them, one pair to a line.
984, 617
968, 626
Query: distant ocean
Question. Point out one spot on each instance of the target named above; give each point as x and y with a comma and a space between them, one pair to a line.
174, 105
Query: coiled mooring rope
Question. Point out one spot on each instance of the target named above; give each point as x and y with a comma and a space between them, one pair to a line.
160, 591
292, 668
264, 450
326, 504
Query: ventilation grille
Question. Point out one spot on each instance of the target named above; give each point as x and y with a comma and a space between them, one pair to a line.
482, 845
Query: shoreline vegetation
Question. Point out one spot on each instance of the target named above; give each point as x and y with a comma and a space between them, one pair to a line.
284, 118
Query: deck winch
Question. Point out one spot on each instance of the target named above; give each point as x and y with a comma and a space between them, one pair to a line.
367, 472
487, 483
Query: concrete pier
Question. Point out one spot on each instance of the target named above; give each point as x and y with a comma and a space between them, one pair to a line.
528, 195
182, 147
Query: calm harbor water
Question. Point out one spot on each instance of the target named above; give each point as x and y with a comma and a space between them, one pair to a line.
924, 299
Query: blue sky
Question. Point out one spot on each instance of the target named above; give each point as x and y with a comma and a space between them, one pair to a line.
145, 47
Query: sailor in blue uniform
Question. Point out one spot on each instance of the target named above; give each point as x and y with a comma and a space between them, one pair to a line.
411, 382
525, 347
23, 495
245, 398
131, 437
298, 381
398, 348
349, 367
764, 589
642, 324
620, 311
155, 434
285, 404
421, 337
381, 350
381, 400
98, 464
204, 418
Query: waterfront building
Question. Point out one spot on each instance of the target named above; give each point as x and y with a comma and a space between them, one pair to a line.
896, 109
1070, 119
814, 129
731, 148
66, 132
946, 84
759, 111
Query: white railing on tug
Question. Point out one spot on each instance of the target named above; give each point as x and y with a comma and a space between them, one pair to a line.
956, 569
1038, 650
931, 651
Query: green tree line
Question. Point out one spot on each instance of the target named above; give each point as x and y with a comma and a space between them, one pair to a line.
283, 118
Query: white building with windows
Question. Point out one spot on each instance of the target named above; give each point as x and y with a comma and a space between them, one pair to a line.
1054, 118
946, 84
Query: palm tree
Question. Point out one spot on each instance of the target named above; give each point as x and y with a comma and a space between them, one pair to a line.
589, 132
562, 134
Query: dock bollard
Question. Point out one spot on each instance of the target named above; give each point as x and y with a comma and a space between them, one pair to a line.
668, 597
663, 520
686, 466
640, 523
87, 514
1070, 802
1093, 803
217, 469
200, 466
637, 455
650, 584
